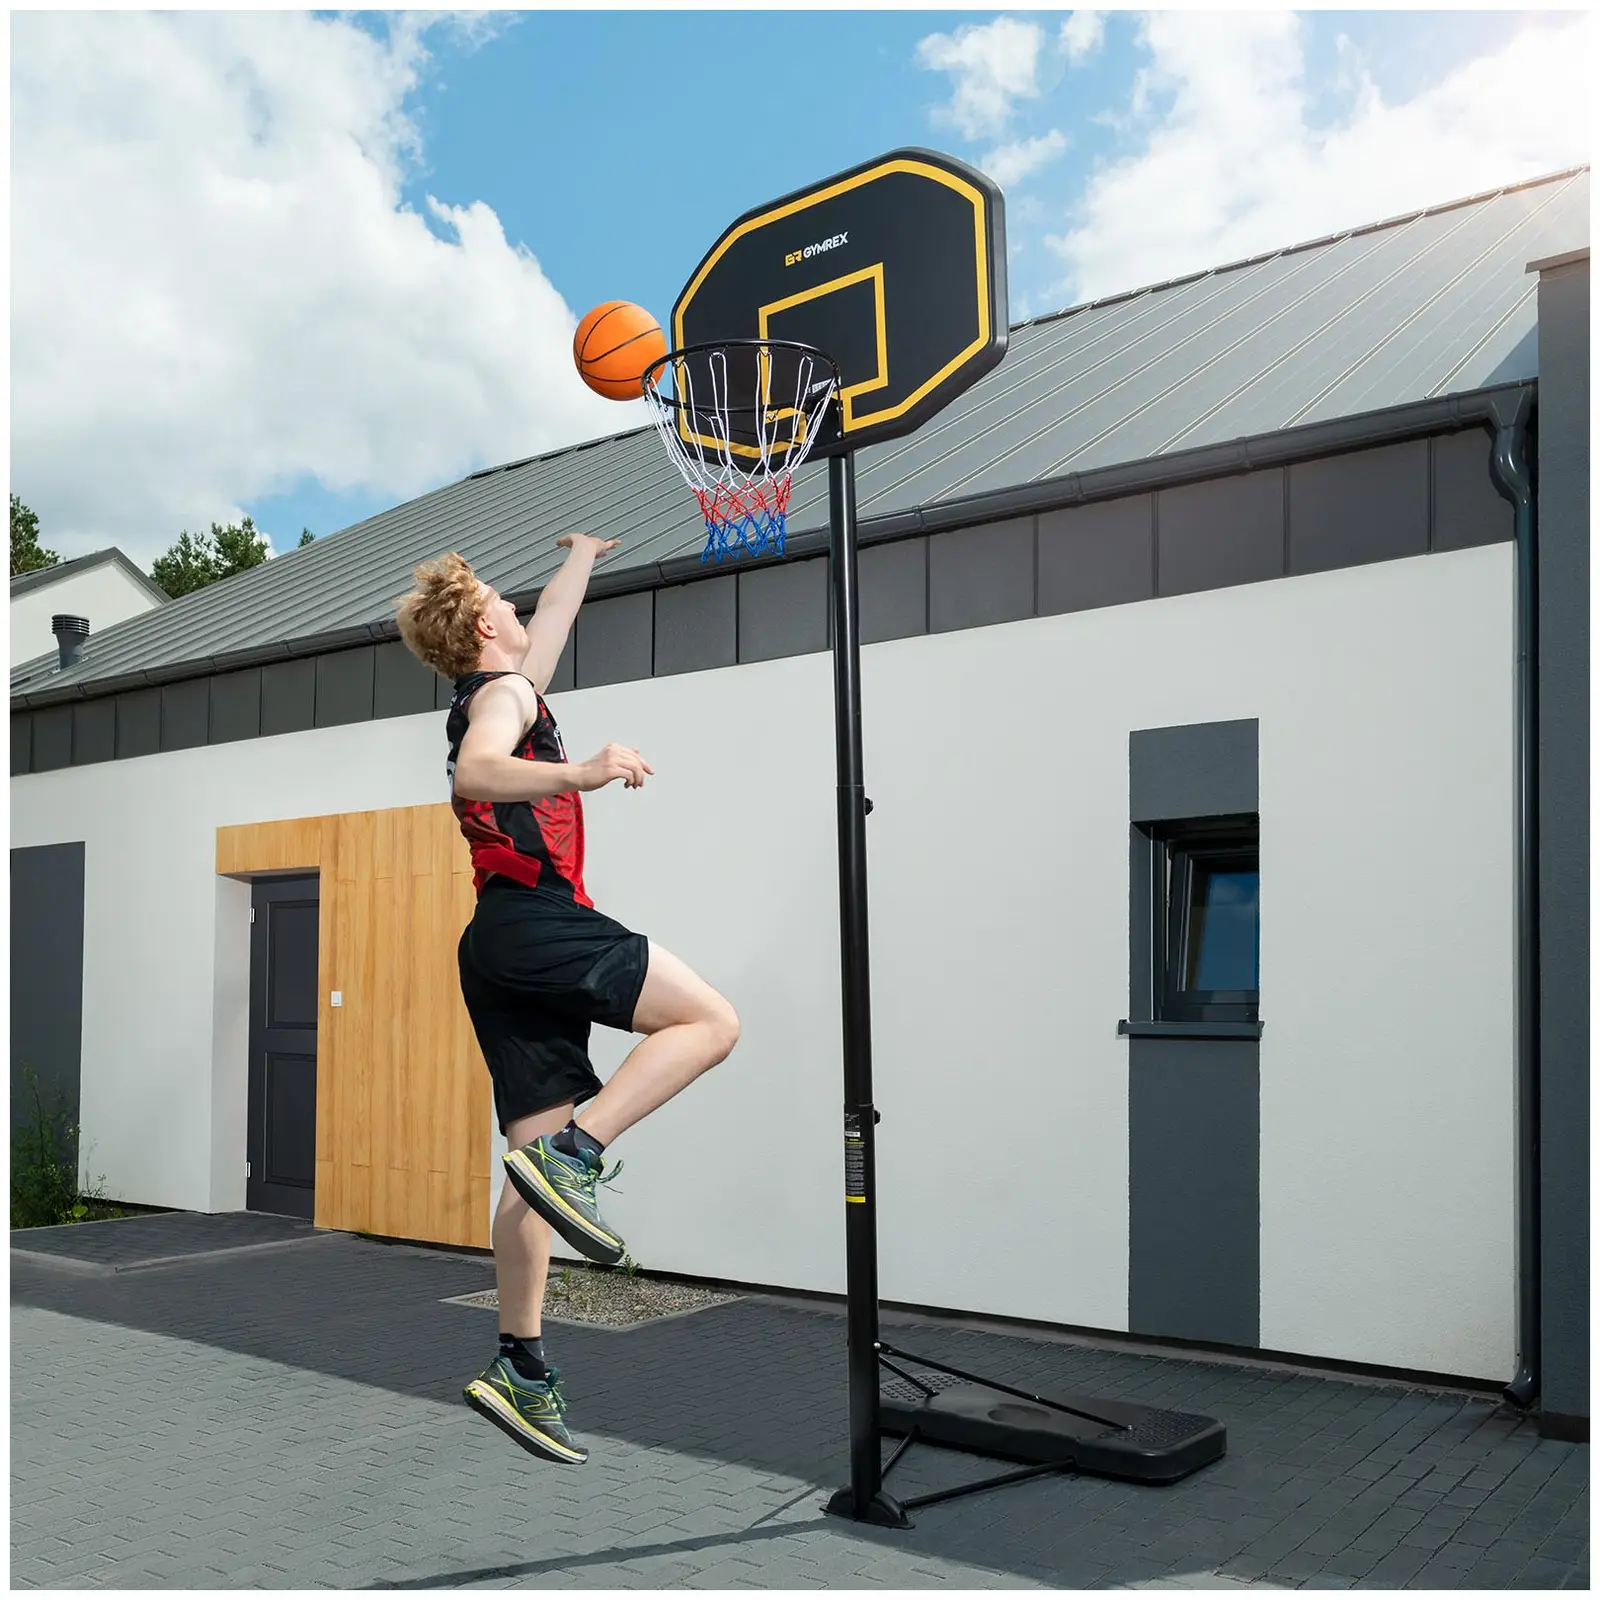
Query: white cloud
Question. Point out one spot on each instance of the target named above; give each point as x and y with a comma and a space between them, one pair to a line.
1011, 163
215, 289
1233, 165
992, 67
1082, 33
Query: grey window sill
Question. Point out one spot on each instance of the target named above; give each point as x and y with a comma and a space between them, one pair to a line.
1190, 1030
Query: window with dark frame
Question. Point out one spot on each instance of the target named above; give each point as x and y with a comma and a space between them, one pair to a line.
1206, 921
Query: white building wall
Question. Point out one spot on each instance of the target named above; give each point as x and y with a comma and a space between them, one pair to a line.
104, 594
998, 763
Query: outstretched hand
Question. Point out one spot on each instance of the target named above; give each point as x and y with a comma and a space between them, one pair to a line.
578, 541
615, 761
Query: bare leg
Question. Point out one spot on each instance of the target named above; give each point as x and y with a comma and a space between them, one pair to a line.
690, 1028
521, 1238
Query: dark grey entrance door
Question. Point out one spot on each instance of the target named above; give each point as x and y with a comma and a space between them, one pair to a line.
282, 1138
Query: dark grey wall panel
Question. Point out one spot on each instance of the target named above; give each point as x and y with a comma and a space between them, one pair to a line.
1194, 1189
46, 976
344, 687
1564, 846
894, 590
236, 706
52, 738
185, 714
784, 610
1194, 1105
1097, 555
402, 686
564, 677
1371, 505
980, 576
1202, 769
138, 723
1226, 531
697, 626
1467, 508
614, 640
21, 741
1142, 851
94, 732
288, 697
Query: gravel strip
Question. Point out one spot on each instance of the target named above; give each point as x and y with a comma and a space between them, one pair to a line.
610, 1298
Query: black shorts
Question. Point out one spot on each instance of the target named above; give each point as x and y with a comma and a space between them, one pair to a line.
537, 969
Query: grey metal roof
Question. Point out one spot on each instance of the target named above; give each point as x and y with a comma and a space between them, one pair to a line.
27, 582
1432, 304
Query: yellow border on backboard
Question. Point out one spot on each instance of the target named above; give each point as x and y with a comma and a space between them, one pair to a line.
874, 274
853, 422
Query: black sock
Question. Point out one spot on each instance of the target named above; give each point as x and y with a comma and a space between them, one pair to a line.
527, 1355
574, 1141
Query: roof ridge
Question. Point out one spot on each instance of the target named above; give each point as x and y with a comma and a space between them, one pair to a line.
41, 577
59, 569
1400, 220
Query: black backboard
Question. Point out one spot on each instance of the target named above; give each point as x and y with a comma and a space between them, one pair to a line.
896, 269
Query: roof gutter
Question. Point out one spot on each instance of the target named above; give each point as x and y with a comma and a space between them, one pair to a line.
1512, 467
1478, 408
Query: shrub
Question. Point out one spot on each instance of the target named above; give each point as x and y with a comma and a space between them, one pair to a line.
45, 1187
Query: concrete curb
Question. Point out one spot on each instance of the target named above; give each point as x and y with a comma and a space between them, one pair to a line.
106, 1269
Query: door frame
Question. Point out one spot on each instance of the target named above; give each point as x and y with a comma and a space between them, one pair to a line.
300, 888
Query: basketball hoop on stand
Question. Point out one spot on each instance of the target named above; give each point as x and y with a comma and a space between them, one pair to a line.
739, 421
897, 269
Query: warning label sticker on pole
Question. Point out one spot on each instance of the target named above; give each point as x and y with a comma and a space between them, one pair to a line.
855, 1161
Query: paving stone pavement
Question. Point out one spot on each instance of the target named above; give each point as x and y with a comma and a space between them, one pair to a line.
292, 1419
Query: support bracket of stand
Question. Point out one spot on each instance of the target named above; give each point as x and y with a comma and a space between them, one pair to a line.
989, 1383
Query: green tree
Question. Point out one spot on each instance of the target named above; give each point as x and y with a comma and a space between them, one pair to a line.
26, 553
306, 537
199, 559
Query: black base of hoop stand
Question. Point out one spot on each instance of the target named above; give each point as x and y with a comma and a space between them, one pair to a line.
1051, 1433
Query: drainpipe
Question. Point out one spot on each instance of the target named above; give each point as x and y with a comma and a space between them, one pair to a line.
1512, 469
70, 633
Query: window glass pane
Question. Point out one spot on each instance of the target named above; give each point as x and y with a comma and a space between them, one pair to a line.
1224, 947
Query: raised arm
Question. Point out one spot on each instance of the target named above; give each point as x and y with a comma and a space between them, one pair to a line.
486, 769
558, 606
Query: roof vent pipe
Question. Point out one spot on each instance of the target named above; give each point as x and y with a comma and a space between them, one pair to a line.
70, 633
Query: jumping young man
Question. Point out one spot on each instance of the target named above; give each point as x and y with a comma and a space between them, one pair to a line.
539, 964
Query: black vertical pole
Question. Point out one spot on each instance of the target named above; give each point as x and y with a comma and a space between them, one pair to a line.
864, 1500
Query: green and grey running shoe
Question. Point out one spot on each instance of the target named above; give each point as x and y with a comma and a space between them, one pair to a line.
561, 1188
530, 1410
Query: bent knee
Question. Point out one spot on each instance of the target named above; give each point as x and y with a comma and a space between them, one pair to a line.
724, 1023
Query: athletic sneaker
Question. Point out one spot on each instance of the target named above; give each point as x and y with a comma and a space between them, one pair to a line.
530, 1410
561, 1188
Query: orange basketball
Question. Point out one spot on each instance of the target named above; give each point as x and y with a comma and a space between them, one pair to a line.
614, 345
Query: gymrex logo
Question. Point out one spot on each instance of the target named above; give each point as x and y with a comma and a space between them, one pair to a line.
794, 257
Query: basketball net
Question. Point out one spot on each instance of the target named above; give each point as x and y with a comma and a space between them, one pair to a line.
739, 422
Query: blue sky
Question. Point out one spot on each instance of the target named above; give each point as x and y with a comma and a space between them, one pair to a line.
361, 283
617, 147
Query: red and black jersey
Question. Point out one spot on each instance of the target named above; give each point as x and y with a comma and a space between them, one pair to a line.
539, 842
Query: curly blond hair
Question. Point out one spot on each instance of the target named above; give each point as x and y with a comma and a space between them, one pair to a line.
439, 618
